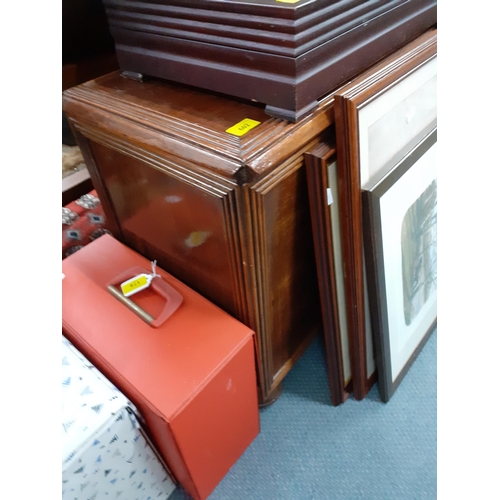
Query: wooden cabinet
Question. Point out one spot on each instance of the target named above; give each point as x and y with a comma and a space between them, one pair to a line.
227, 215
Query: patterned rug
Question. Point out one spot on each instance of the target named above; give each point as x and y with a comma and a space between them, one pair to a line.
82, 222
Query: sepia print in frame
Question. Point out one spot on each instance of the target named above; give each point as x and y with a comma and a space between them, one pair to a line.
379, 117
400, 231
321, 166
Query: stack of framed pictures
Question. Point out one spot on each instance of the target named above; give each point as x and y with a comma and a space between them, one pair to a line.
373, 197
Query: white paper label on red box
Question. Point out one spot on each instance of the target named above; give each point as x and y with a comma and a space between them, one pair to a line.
139, 282
136, 284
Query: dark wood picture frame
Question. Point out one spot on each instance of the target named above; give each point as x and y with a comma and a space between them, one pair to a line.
384, 319
348, 102
317, 164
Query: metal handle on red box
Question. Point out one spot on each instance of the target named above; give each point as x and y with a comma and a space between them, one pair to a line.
172, 297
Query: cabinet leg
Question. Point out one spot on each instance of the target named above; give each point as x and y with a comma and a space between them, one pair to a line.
132, 75
272, 397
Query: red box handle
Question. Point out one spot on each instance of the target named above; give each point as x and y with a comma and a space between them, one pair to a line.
172, 297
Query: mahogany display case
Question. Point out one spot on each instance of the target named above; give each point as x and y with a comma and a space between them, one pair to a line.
228, 215
286, 54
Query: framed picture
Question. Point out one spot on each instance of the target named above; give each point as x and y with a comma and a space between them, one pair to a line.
321, 168
400, 235
379, 118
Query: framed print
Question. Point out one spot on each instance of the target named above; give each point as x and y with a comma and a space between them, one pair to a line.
321, 168
400, 234
379, 117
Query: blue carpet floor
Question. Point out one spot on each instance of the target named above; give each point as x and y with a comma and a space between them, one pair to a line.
310, 450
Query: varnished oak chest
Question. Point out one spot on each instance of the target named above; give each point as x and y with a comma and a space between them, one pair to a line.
227, 215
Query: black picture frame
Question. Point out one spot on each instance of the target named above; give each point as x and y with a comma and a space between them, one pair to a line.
390, 204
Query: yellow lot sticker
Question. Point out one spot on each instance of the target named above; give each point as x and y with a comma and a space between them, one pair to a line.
241, 128
134, 284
